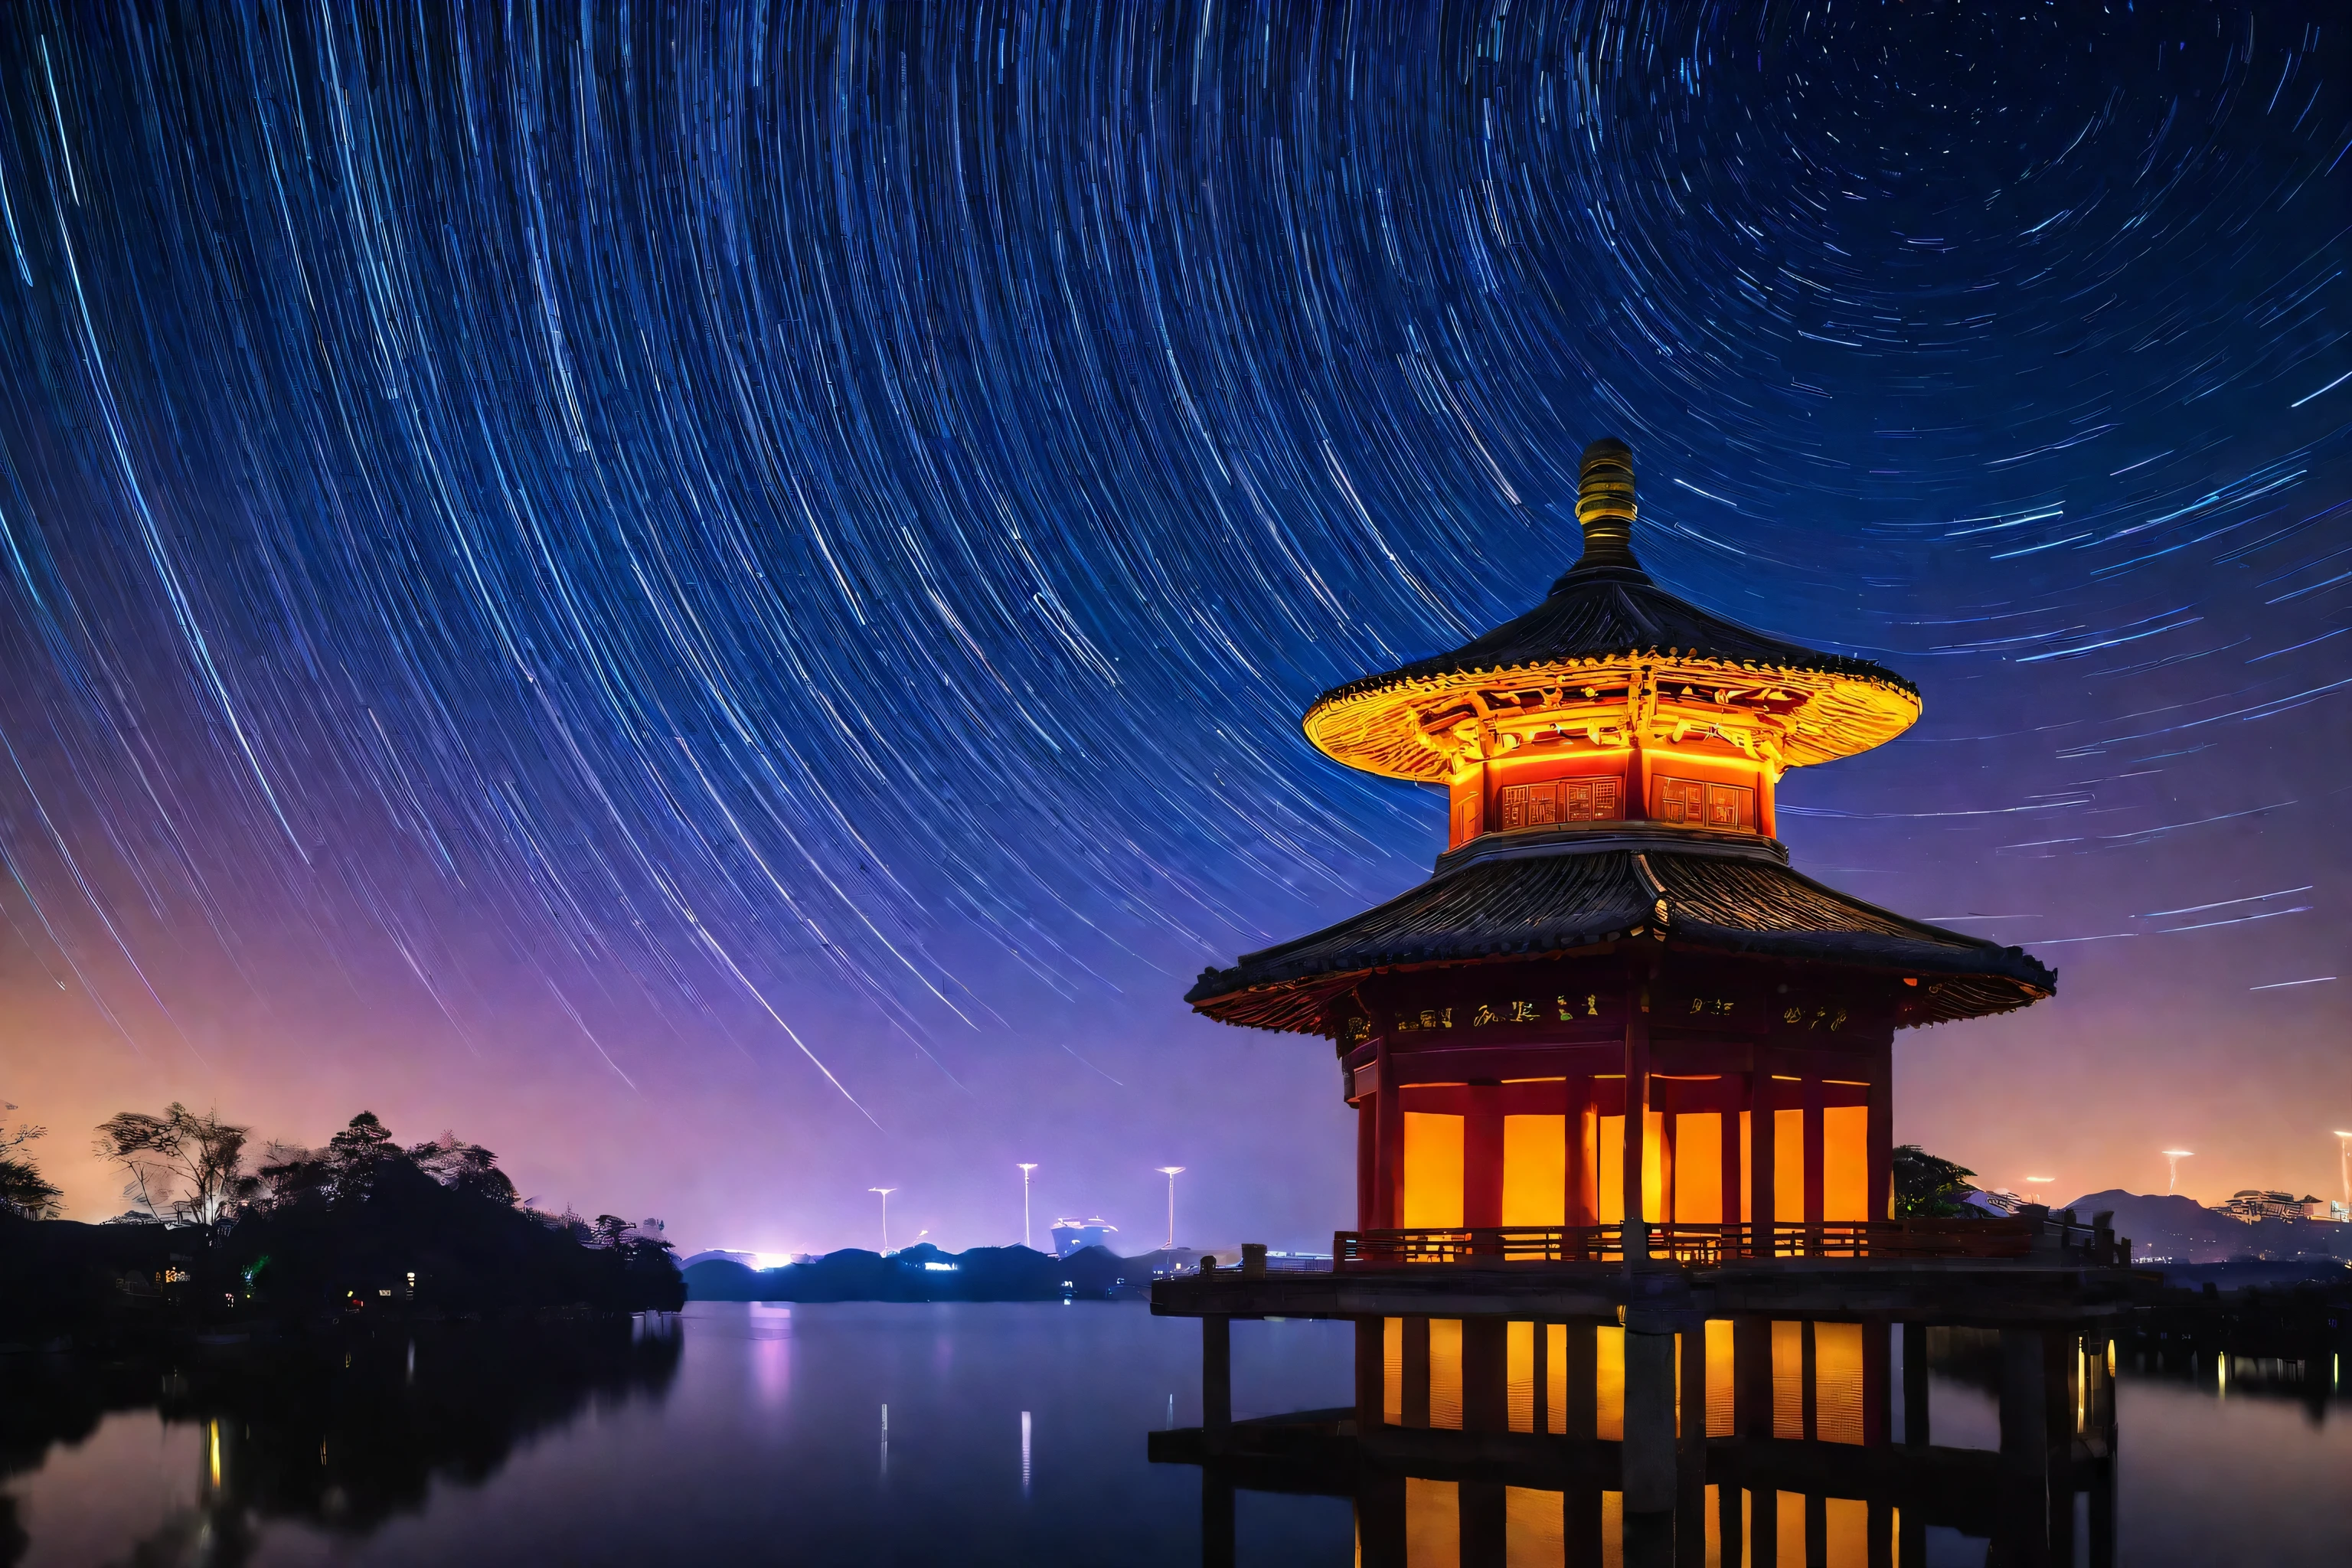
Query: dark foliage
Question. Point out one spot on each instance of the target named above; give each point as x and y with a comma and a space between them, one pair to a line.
1926, 1187
25, 1193
365, 1226
360, 1230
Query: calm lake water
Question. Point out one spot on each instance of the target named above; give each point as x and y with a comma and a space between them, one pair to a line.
882, 1434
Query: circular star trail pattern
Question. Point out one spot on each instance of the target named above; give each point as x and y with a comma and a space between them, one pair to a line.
807, 532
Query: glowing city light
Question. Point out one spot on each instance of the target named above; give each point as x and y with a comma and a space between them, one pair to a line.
1171, 1172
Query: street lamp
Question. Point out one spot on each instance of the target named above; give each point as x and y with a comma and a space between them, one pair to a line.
886, 1193
2172, 1158
1171, 1172
1025, 1201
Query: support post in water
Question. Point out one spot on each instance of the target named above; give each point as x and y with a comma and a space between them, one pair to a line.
1914, 1384
1217, 1546
1216, 1374
1649, 1447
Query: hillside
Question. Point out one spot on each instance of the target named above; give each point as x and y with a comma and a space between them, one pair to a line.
922, 1273
2172, 1228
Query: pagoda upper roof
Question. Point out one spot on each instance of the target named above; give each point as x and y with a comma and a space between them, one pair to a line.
1548, 892
1606, 634
1598, 613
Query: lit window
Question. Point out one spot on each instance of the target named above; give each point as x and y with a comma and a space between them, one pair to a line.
1698, 805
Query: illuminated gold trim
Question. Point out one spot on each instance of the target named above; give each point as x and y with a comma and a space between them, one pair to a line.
1432, 727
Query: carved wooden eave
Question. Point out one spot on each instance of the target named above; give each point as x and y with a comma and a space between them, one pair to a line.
1425, 727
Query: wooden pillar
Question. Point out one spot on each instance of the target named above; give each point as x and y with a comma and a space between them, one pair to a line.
1751, 1378
1730, 1529
1388, 1108
1911, 1543
1812, 1088
1730, 1164
1482, 1156
1690, 1448
2025, 1422
1914, 1384
1761, 1123
1367, 1161
1580, 1380
2063, 1361
1882, 1131
1764, 1528
1485, 1374
1380, 1517
1216, 1517
1648, 1453
1413, 1355
1539, 1412
1669, 1102
1216, 1374
2101, 1486
1483, 1519
1649, 1539
1878, 1357
1690, 1405
1807, 1382
1371, 1373
2022, 1534
1637, 1088
1582, 1208
1581, 1523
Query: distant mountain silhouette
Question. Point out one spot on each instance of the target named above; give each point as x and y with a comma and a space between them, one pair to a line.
2181, 1230
921, 1273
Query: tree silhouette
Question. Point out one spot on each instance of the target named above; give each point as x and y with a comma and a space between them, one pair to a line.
1929, 1187
192, 1165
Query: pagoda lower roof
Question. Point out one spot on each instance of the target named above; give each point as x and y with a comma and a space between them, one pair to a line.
1550, 892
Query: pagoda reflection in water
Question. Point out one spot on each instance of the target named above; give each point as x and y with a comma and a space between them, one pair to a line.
1798, 1451
1624, 1091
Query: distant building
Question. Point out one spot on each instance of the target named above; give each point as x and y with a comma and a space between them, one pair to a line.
2250, 1204
1074, 1235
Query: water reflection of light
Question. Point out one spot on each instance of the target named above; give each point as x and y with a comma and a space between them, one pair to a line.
771, 1351
1025, 1453
885, 1442
213, 1429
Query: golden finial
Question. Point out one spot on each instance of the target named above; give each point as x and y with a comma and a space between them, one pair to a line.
1604, 504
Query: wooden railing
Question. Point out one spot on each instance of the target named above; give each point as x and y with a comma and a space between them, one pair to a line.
2025, 1236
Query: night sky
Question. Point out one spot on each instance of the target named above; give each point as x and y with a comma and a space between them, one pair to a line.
719, 601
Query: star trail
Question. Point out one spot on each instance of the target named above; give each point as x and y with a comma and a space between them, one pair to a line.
758, 568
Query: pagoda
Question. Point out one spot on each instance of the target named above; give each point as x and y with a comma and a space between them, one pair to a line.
1615, 1021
